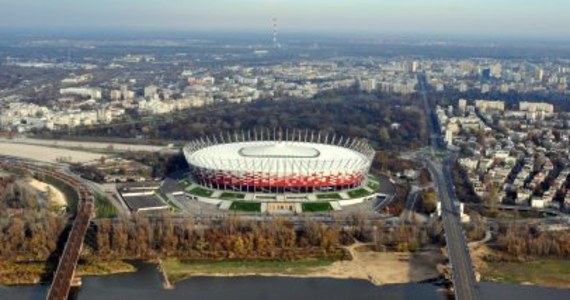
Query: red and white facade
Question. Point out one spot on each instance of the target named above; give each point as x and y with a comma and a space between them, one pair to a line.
270, 162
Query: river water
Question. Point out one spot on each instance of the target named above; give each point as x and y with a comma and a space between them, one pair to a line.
146, 285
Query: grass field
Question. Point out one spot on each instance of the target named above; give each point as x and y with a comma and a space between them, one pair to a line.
198, 191
373, 184
544, 272
180, 270
184, 183
104, 208
334, 196
166, 200
232, 196
104, 267
23, 273
246, 206
361, 192
316, 207
511, 215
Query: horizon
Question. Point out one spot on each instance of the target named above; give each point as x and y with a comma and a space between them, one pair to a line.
532, 20
284, 35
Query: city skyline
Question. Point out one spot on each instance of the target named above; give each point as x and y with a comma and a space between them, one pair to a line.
532, 19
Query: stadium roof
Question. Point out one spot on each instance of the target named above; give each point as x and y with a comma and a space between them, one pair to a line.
277, 156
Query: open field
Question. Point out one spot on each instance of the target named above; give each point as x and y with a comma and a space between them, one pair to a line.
104, 208
84, 144
334, 196
500, 267
35, 272
179, 270
361, 192
246, 206
544, 272
44, 153
104, 268
198, 191
377, 267
232, 196
316, 206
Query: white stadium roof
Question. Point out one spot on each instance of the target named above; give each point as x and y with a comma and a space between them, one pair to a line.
281, 157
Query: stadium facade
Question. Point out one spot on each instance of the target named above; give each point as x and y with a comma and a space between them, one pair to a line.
275, 161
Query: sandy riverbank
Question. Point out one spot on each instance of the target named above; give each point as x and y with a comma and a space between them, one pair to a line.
57, 198
377, 267
384, 267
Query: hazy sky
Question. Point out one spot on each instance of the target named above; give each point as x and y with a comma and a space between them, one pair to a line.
524, 18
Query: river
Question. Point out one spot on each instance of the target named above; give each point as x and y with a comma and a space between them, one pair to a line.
146, 285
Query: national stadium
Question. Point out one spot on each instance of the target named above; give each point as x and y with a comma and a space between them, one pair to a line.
275, 165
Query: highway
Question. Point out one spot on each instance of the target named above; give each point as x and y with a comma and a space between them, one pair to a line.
463, 274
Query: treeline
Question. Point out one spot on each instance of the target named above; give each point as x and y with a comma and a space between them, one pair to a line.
528, 240
15, 196
29, 236
233, 238
463, 188
27, 230
35, 238
392, 162
355, 115
162, 164
279, 239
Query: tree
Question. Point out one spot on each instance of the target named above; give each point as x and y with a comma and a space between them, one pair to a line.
429, 200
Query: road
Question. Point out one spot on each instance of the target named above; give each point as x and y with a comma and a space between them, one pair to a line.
408, 214
464, 281
463, 275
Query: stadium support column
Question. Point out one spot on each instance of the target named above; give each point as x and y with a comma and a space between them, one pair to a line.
274, 134
286, 178
346, 175
241, 176
274, 177
210, 177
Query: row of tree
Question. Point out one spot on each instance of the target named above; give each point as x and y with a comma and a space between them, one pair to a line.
232, 238
30, 237
407, 237
526, 240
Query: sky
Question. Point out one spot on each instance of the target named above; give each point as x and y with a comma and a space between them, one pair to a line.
491, 18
